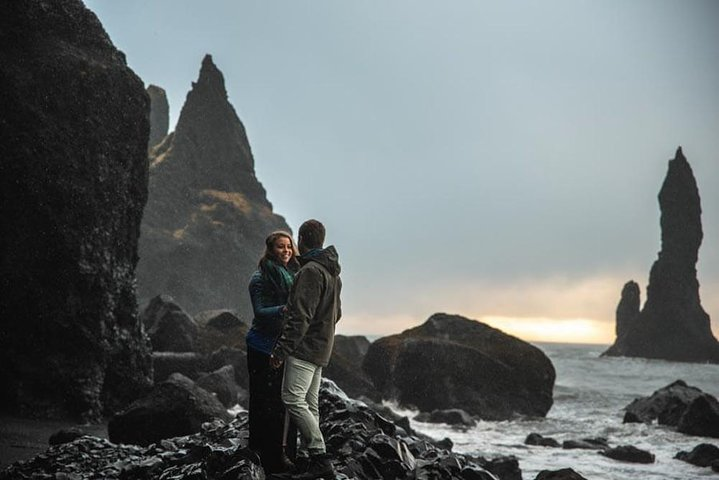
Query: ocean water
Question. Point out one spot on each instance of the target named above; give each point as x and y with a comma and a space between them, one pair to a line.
589, 396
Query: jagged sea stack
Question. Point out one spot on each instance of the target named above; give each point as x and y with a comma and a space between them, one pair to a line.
207, 215
159, 115
672, 325
73, 176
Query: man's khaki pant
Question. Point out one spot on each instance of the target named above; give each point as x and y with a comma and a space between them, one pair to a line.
300, 394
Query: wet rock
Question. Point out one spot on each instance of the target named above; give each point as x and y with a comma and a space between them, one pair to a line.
666, 405
345, 367
703, 455
235, 357
504, 468
65, 435
173, 408
701, 417
73, 179
220, 328
597, 443
170, 328
453, 361
673, 325
207, 214
159, 115
189, 364
562, 474
628, 453
537, 439
222, 383
452, 416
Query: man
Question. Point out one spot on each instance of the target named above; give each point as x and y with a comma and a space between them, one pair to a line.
305, 344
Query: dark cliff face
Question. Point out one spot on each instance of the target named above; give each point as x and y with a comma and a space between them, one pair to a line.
74, 182
159, 115
673, 325
207, 214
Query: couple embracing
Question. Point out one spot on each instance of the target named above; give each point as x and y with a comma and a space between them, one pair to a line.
296, 303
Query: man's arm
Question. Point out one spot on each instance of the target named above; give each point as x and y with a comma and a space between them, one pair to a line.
301, 306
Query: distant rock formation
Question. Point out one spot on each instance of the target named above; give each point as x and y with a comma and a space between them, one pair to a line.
453, 362
73, 177
672, 325
207, 215
159, 115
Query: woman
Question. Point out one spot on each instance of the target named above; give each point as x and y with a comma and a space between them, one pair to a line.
269, 288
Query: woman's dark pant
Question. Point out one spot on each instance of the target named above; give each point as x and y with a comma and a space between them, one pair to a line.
267, 412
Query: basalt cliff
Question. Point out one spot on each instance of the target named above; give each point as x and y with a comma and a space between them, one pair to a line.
207, 214
672, 325
73, 176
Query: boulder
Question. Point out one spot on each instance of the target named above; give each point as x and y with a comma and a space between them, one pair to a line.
666, 405
628, 453
701, 417
220, 328
170, 328
562, 474
597, 443
65, 435
222, 383
345, 367
207, 214
703, 455
452, 416
73, 178
672, 325
539, 440
235, 357
173, 408
451, 361
189, 364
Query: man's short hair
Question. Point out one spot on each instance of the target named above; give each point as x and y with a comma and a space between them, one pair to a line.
312, 234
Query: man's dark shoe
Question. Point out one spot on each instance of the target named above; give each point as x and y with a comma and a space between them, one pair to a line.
319, 467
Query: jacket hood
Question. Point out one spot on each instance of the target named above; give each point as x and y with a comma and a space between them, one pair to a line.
327, 257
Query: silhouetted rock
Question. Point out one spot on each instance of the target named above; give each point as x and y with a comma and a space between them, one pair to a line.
207, 215
586, 444
701, 417
175, 331
223, 320
672, 325
159, 115
222, 383
666, 405
66, 435
628, 308
452, 416
451, 361
628, 453
539, 440
562, 474
73, 179
345, 367
190, 364
703, 455
173, 408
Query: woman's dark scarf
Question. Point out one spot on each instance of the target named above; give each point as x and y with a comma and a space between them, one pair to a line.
279, 276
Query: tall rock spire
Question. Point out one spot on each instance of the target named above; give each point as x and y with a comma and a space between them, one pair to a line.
207, 214
673, 325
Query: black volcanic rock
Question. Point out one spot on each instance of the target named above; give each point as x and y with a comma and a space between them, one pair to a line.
703, 455
73, 142
159, 115
539, 440
701, 417
666, 405
562, 474
173, 408
628, 308
452, 362
345, 367
628, 453
673, 325
207, 215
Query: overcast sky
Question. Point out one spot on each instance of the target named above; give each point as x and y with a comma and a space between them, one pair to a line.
499, 160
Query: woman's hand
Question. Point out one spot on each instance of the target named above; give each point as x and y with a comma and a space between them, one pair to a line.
275, 362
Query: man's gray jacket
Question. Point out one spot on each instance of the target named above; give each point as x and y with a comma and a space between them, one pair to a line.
313, 309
